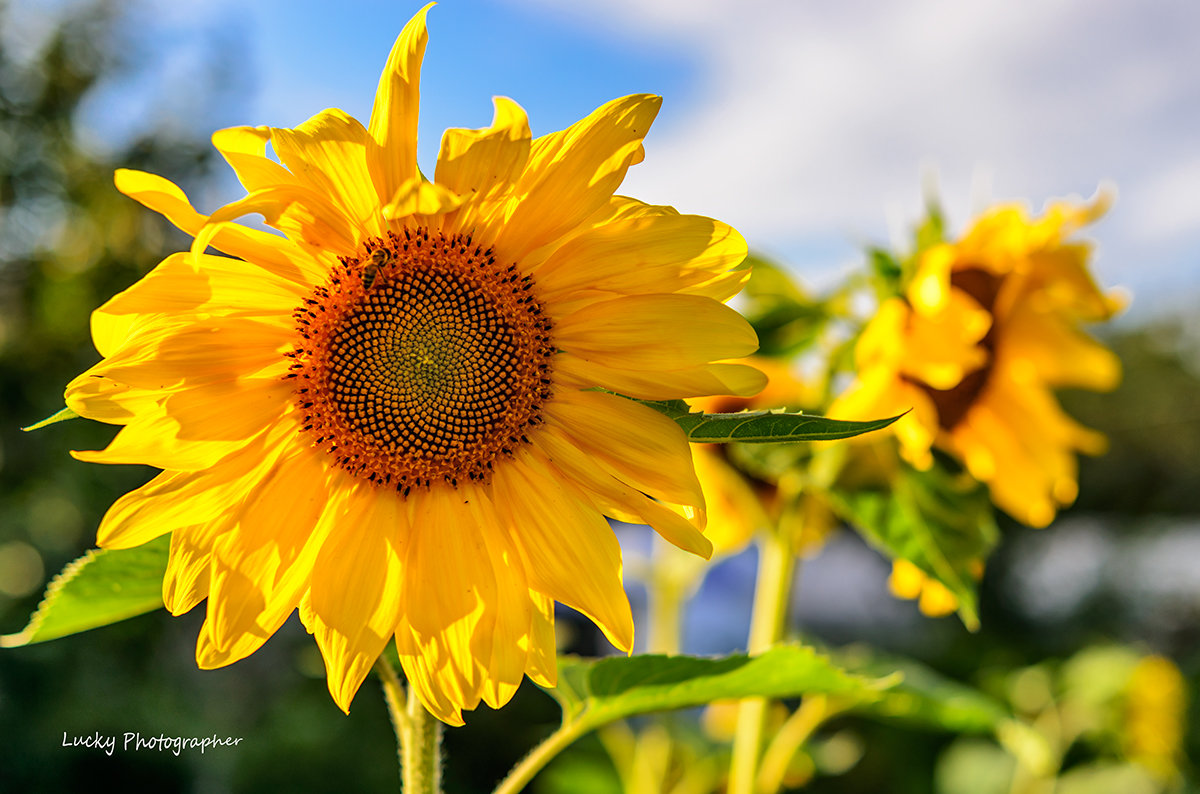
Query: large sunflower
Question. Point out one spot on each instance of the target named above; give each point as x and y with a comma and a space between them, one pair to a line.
390, 416
987, 329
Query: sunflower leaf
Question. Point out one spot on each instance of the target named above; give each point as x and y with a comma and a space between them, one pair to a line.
939, 520
922, 697
595, 692
99, 588
761, 427
61, 416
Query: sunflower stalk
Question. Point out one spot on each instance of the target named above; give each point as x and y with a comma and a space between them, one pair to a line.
521, 774
421, 768
418, 734
667, 594
772, 592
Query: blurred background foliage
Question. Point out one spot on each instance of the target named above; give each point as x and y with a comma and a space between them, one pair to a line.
1068, 613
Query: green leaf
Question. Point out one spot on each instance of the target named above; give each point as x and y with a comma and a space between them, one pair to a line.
932, 230
61, 416
939, 520
760, 427
99, 588
923, 697
593, 693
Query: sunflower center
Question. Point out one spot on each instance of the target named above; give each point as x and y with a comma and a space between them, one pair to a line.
424, 359
953, 404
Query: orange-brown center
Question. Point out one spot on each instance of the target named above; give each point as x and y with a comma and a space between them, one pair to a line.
952, 404
423, 359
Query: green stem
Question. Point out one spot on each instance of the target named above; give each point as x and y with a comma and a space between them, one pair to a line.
813, 710
418, 734
393, 695
422, 766
669, 583
772, 590
530, 765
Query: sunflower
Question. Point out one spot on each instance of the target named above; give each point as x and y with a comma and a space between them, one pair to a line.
397, 415
987, 329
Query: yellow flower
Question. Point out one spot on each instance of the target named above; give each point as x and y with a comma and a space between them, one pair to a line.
986, 330
1155, 716
388, 417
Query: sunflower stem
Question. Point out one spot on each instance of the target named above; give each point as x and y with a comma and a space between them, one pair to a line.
530, 765
813, 711
421, 766
665, 599
393, 695
772, 592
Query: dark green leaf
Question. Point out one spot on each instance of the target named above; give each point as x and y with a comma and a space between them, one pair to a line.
61, 416
99, 588
760, 427
885, 266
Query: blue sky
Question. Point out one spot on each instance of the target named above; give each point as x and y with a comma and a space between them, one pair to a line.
809, 126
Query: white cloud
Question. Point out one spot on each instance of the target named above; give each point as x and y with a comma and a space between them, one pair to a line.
815, 119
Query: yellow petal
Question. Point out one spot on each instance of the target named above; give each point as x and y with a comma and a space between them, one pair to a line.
294, 209
429, 673
735, 512
667, 384
993, 453
937, 600
245, 149
466, 600
573, 173
271, 251
185, 582
641, 446
171, 501
656, 332
355, 595
418, 197
1061, 354
658, 250
392, 160
906, 579
261, 566
152, 439
622, 502
570, 553
483, 161
328, 154
209, 284
541, 665
106, 400
237, 355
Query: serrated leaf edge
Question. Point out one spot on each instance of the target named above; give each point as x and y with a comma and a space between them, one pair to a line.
69, 572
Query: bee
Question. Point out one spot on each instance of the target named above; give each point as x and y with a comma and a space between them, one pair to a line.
377, 259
